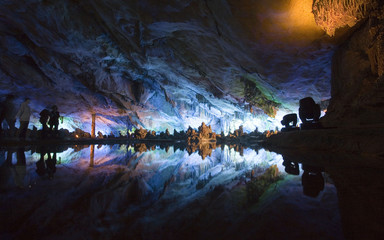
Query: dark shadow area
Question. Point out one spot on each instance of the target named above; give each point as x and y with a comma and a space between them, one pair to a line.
360, 189
312, 180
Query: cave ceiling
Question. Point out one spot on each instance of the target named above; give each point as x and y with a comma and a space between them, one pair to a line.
166, 64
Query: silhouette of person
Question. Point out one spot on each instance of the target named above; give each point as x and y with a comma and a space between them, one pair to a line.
44, 116
20, 169
8, 114
24, 114
40, 165
46, 167
54, 119
5, 168
312, 180
16, 171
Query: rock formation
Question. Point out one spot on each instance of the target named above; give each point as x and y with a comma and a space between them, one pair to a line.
168, 65
358, 63
159, 65
141, 133
332, 15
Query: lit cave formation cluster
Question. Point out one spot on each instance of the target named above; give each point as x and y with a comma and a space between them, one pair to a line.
174, 64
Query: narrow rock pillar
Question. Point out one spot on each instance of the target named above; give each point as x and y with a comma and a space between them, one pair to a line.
93, 134
92, 156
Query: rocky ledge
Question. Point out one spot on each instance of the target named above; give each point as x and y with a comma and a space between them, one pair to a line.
365, 141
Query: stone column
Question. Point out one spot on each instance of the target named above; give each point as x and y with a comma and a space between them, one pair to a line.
93, 125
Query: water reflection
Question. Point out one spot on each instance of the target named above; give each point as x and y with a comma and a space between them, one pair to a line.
203, 149
46, 165
152, 191
16, 166
312, 178
360, 188
201, 162
291, 167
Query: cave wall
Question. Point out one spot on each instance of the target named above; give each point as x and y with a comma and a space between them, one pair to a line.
141, 63
169, 64
357, 84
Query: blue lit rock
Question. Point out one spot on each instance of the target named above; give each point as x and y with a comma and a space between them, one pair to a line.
163, 65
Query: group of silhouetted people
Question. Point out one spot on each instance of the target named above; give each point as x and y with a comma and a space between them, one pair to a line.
9, 114
13, 165
50, 117
46, 167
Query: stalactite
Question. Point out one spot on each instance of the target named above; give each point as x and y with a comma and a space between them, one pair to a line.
334, 14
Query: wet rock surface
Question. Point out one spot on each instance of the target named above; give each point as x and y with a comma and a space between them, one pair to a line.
365, 141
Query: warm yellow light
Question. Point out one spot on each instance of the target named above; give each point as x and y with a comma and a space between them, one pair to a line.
300, 14
301, 22
289, 21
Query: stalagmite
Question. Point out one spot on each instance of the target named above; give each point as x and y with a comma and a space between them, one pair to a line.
92, 156
93, 125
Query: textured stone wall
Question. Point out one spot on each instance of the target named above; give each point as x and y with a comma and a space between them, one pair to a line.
358, 63
334, 14
163, 64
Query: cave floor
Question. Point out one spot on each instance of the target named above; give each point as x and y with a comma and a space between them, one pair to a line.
118, 193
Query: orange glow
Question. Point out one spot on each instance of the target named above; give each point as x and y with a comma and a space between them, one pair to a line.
288, 21
301, 16
77, 136
300, 21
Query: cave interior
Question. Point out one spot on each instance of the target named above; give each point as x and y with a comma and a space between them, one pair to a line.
170, 65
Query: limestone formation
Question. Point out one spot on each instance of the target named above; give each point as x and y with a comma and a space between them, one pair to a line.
334, 14
358, 64
78, 133
151, 135
142, 63
204, 131
146, 67
239, 132
100, 134
140, 133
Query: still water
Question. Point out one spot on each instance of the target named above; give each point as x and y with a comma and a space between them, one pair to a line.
167, 192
